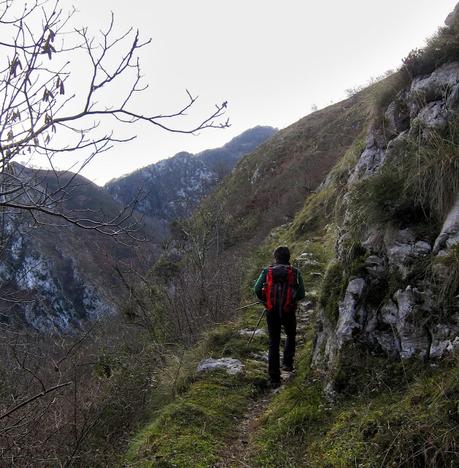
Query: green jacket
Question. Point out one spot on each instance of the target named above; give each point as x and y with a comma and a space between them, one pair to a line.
298, 292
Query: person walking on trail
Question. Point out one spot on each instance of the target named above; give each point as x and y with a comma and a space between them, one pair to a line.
280, 286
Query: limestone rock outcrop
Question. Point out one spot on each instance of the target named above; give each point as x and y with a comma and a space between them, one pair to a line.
386, 307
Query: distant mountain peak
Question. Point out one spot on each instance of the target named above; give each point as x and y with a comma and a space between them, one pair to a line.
172, 188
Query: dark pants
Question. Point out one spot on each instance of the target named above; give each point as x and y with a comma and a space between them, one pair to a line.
275, 322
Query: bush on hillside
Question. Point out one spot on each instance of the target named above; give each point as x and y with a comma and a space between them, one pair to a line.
441, 48
416, 186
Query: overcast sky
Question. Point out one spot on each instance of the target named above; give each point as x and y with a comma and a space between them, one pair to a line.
271, 60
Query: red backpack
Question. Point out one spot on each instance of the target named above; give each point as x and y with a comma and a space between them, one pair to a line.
279, 289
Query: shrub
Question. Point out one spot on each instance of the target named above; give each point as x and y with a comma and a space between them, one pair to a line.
432, 173
381, 199
386, 91
416, 186
441, 48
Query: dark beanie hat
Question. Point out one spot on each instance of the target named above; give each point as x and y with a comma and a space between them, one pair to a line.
282, 254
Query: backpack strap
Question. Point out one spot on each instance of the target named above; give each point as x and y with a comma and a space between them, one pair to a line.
269, 288
290, 288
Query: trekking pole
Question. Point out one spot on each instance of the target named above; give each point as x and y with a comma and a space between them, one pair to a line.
249, 305
256, 328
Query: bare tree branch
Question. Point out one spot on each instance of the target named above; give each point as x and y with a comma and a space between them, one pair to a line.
33, 398
45, 111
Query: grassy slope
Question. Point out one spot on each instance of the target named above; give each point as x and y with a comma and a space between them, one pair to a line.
390, 414
196, 416
394, 414
270, 185
191, 427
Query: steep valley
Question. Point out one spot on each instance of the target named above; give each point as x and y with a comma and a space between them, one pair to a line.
366, 195
59, 276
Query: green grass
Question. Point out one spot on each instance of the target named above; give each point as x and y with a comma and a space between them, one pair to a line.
400, 415
382, 93
192, 430
415, 188
409, 424
292, 416
201, 411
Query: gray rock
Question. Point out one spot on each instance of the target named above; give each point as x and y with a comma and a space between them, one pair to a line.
400, 256
249, 332
443, 339
449, 234
402, 326
348, 321
376, 138
307, 259
405, 236
389, 343
410, 325
452, 16
435, 86
453, 97
422, 248
434, 116
356, 287
371, 158
260, 356
369, 162
376, 267
389, 313
230, 365
397, 118
402, 250
397, 145
305, 307
456, 344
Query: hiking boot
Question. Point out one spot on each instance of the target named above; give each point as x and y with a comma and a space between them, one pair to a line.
275, 384
287, 368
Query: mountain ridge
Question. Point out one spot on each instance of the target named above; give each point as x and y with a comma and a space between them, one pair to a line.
172, 188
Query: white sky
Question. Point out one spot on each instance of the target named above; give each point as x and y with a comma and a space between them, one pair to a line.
271, 60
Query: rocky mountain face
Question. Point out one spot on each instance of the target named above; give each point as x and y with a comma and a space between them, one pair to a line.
56, 276
396, 261
172, 188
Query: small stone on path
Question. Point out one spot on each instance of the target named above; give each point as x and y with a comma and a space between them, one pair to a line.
248, 332
230, 365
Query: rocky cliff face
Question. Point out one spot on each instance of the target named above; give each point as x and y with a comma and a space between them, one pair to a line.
47, 290
172, 188
55, 276
397, 248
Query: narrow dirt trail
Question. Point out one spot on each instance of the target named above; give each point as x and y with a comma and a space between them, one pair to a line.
238, 452
240, 448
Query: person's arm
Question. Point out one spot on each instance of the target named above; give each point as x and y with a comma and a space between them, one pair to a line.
299, 293
258, 289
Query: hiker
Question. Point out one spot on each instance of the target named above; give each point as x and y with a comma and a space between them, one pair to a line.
280, 286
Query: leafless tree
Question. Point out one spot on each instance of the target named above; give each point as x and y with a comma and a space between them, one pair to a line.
63, 90
50, 106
